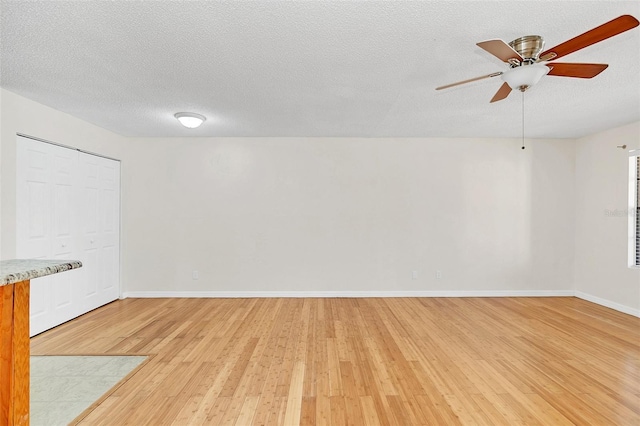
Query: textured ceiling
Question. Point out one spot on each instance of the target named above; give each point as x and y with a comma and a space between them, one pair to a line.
283, 68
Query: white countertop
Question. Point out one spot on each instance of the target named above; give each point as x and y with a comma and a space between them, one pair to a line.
16, 270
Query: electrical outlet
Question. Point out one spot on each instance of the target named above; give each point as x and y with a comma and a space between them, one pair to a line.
195, 275
414, 275
438, 275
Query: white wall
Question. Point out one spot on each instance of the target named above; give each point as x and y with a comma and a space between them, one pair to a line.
602, 176
1, 109
21, 115
356, 214
295, 214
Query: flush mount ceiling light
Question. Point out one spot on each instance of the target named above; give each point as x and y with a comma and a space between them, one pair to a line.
190, 119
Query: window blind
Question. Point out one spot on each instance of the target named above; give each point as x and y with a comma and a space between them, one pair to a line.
637, 210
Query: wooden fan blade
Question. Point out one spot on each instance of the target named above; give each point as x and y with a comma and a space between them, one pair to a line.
502, 93
495, 74
603, 32
500, 50
563, 69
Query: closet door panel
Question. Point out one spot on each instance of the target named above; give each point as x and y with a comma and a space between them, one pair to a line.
34, 231
63, 200
68, 207
89, 226
110, 229
100, 229
63, 210
32, 197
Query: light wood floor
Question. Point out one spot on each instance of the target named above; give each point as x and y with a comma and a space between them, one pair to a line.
549, 361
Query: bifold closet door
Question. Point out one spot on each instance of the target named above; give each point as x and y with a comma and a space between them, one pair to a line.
99, 229
68, 207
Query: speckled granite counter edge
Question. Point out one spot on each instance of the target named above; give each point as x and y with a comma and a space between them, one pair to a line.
14, 271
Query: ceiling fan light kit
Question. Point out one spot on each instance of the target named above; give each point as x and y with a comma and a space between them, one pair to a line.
525, 76
528, 63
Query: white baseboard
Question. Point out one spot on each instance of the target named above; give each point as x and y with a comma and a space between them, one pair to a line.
608, 303
400, 293
297, 294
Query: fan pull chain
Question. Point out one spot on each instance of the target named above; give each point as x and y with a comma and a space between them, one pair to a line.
523, 119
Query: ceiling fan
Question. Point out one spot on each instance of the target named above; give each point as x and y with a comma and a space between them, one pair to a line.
528, 63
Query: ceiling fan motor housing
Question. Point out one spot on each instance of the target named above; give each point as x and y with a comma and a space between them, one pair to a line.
529, 47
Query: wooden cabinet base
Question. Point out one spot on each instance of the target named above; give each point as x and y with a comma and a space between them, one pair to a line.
14, 354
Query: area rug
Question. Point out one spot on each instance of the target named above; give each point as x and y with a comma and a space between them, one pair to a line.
62, 387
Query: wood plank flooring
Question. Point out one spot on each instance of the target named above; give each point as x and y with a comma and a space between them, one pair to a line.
397, 361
